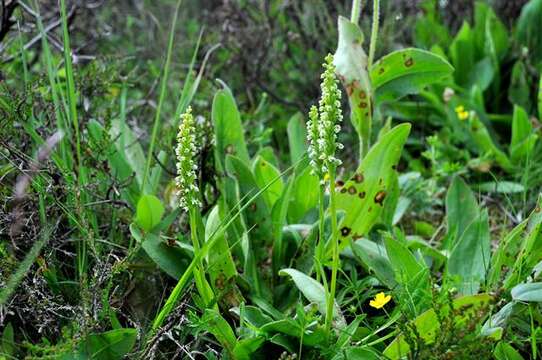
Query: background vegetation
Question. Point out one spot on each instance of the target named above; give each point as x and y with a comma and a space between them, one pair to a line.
97, 259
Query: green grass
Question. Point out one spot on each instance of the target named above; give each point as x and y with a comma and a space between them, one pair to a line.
438, 213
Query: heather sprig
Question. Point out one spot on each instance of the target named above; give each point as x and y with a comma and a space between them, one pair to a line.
186, 180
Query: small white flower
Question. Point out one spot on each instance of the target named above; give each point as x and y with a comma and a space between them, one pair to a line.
323, 125
186, 180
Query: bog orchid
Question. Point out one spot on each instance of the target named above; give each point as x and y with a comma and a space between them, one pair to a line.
186, 180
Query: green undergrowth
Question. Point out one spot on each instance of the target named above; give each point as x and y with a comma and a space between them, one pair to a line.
151, 211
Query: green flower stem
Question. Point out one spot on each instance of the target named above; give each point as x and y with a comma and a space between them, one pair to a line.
374, 31
199, 275
320, 248
356, 11
335, 249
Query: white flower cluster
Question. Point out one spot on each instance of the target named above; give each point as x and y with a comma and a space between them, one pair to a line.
186, 180
323, 124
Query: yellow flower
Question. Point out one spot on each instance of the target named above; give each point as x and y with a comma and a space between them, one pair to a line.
459, 109
326, 177
380, 300
463, 115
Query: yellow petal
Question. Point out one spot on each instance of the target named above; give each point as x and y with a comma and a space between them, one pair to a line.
464, 115
459, 109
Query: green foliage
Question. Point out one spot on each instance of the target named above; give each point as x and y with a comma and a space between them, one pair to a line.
149, 212
425, 246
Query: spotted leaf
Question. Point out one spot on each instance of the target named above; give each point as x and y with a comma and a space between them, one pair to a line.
406, 72
362, 197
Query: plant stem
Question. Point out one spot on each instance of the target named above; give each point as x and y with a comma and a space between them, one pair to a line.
199, 275
335, 248
356, 11
374, 31
320, 248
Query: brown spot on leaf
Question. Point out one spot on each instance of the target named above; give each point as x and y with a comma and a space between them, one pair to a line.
339, 183
253, 207
363, 105
370, 209
381, 71
362, 195
379, 197
362, 94
352, 190
358, 178
409, 62
345, 230
349, 89
343, 190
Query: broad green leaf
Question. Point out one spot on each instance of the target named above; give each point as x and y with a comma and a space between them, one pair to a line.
264, 174
297, 138
171, 259
258, 215
531, 292
312, 337
462, 52
502, 187
413, 111
128, 145
429, 28
427, 324
469, 259
149, 212
490, 33
374, 257
519, 92
523, 137
7, 343
315, 293
357, 353
246, 347
495, 325
527, 25
252, 315
461, 210
268, 154
505, 351
351, 63
221, 269
486, 144
220, 328
404, 264
279, 220
302, 199
229, 138
406, 72
530, 252
481, 74
110, 345
362, 197
540, 99
411, 274
505, 255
